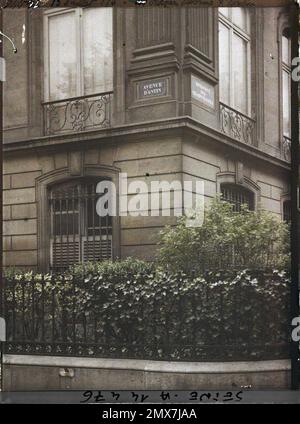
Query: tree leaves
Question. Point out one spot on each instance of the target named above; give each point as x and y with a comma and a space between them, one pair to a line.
227, 239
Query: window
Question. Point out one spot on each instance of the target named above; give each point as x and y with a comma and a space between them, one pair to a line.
237, 196
78, 233
234, 58
286, 83
287, 211
78, 52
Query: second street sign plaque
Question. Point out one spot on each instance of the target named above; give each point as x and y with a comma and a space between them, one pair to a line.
203, 92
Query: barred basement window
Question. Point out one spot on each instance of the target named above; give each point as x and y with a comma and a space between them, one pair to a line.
237, 196
287, 211
78, 233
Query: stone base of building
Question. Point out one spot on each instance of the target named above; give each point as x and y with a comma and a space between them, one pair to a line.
25, 372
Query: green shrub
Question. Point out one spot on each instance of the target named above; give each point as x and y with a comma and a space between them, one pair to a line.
116, 268
246, 239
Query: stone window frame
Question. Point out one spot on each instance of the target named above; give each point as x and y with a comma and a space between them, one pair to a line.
246, 183
44, 182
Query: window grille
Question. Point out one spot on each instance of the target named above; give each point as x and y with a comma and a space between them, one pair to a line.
77, 233
237, 196
287, 211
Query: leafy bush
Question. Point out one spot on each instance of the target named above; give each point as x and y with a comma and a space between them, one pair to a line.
246, 239
146, 313
118, 268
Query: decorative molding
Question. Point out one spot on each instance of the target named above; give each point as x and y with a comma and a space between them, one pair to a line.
228, 177
199, 27
193, 52
154, 59
283, 22
154, 25
156, 37
149, 67
47, 163
239, 172
75, 163
151, 52
183, 124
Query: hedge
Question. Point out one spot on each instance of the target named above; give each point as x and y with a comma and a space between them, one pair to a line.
130, 309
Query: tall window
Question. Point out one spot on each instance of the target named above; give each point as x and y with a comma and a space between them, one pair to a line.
78, 233
234, 58
237, 196
78, 52
286, 83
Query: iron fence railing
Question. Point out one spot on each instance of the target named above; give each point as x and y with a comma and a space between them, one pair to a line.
237, 125
78, 113
48, 317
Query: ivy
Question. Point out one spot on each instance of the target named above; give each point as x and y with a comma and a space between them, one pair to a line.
136, 310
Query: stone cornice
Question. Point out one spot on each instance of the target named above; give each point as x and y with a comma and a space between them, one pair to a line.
131, 132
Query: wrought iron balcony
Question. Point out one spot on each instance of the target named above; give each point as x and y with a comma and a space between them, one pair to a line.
286, 148
78, 114
237, 125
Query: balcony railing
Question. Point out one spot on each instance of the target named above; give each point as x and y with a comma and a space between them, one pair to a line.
237, 125
78, 114
286, 148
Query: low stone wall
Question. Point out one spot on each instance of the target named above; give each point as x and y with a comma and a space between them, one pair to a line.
25, 372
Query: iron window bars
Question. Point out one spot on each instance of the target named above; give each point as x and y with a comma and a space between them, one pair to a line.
77, 233
237, 196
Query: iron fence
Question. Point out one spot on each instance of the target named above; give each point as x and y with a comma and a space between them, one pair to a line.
78, 113
49, 317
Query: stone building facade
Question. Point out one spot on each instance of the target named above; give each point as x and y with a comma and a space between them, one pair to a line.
170, 94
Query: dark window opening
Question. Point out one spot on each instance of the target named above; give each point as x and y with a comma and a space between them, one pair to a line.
287, 211
237, 196
77, 233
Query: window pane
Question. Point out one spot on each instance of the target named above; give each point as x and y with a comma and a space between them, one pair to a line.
286, 103
62, 56
97, 50
239, 69
224, 11
224, 63
285, 50
239, 17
